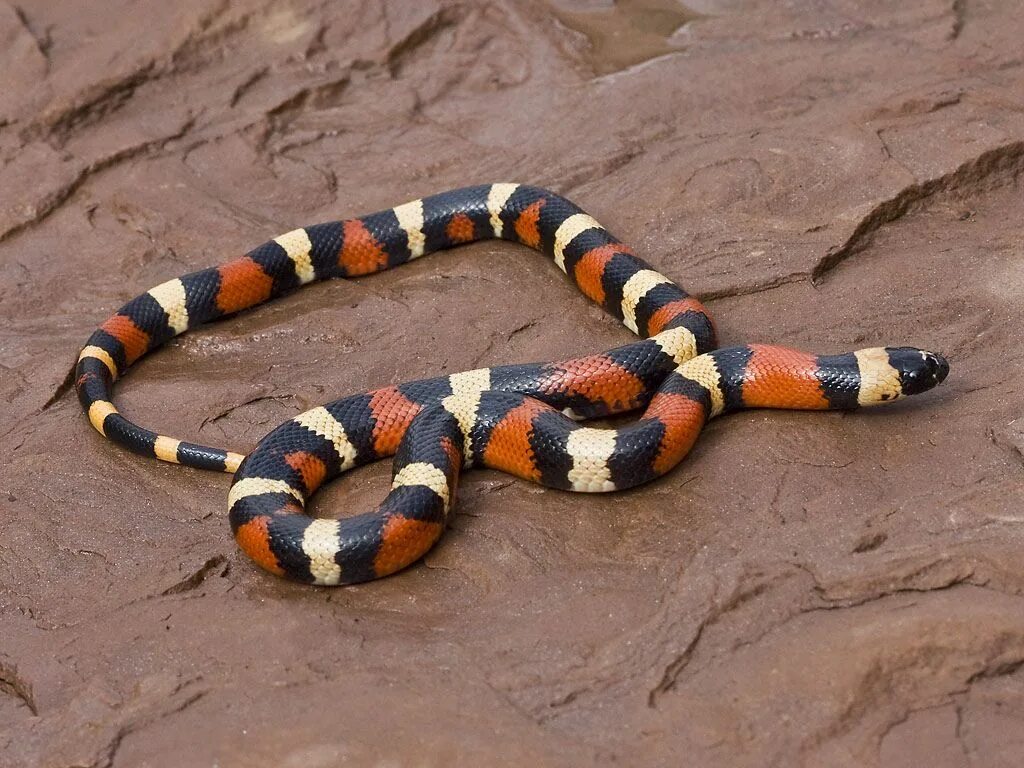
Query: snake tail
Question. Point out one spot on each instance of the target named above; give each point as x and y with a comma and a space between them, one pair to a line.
603, 268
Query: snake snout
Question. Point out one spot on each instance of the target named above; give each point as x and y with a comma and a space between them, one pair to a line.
919, 370
941, 367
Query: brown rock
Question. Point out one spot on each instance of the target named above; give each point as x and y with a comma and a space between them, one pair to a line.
806, 589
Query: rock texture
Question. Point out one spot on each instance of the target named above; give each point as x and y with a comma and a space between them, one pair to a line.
806, 590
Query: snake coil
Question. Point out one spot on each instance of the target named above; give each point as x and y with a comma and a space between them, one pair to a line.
522, 419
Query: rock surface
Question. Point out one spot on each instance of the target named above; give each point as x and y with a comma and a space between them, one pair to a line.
805, 590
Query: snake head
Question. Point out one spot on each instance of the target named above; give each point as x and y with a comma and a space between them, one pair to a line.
891, 373
919, 370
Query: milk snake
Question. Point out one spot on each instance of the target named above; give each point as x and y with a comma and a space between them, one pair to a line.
522, 419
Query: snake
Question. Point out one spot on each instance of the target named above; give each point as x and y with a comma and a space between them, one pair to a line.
527, 420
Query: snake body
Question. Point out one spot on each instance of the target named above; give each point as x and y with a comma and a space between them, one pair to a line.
521, 419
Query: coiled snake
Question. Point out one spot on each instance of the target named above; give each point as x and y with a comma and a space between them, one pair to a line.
522, 419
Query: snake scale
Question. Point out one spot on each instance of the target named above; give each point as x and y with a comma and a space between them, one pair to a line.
521, 419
